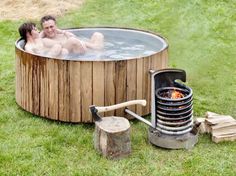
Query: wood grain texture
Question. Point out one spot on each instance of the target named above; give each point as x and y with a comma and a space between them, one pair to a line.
63, 90
121, 82
35, 86
99, 84
146, 85
52, 90
112, 137
132, 82
110, 97
86, 90
75, 92
140, 83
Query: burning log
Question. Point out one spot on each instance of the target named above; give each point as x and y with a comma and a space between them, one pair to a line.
176, 94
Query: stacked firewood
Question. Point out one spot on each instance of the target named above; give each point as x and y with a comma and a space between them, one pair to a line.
221, 127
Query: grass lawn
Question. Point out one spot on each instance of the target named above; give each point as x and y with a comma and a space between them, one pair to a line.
202, 40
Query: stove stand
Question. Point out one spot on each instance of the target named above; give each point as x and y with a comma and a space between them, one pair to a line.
185, 141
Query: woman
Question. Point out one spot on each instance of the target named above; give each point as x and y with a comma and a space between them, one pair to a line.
37, 45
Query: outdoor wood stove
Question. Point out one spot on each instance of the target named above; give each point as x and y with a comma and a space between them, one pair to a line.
171, 123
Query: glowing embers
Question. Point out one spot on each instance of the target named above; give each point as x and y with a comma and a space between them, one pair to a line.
174, 110
172, 94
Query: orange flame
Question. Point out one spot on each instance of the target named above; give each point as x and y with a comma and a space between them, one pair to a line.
176, 94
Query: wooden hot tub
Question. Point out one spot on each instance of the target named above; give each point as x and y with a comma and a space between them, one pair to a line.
63, 89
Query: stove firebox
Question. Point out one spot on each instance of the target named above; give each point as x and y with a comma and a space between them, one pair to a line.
172, 111
171, 123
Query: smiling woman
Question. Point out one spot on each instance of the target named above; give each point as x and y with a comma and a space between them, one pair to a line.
37, 45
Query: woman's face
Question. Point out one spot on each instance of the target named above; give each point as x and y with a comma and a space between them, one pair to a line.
35, 33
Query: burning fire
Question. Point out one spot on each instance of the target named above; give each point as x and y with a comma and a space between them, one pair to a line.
176, 94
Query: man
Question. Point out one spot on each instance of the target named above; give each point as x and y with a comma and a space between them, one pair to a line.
36, 45
67, 39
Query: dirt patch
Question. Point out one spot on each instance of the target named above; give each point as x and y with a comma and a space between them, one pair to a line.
35, 9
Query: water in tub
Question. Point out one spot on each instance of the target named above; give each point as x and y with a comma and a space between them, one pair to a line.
119, 44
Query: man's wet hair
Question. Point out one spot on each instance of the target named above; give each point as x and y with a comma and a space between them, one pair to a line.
46, 18
24, 28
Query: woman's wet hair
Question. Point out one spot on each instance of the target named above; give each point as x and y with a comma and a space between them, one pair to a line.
46, 18
24, 28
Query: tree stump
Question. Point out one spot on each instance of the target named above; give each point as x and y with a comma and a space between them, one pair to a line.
112, 137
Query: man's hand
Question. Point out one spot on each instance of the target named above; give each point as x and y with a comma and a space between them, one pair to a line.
42, 34
59, 31
66, 33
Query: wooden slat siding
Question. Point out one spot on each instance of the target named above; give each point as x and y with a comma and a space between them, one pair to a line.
75, 100
42, 80
19, 94
18, 77
45, 88
64, 91
36, 85
139, 91
30, 82
110, 97
98, 84
52, 89
20, 83
24, 78
121, 85
27, 80
26, 83
131, 83
146, 85
149, 85
86, 90
156, 62
164, 58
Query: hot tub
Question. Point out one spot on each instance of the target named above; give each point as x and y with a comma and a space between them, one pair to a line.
63, 89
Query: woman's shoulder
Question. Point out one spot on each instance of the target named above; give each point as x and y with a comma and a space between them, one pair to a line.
28, 47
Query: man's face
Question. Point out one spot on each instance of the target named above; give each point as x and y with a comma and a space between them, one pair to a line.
49, 28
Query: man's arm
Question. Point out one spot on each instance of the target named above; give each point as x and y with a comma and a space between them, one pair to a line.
49, 42
66, 33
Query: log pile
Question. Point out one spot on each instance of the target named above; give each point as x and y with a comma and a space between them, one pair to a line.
221, 127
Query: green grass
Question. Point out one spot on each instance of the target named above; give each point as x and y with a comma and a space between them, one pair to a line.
201, 35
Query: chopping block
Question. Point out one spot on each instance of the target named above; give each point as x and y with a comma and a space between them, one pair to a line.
112, 137
112, 134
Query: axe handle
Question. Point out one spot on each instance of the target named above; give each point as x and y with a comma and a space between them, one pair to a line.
121, 105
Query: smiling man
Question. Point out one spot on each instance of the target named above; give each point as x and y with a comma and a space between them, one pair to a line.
67, 39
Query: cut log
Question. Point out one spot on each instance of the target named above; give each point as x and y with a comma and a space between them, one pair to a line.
203, 128
211, 115
220, 119
220, 138
112, 137
222, 127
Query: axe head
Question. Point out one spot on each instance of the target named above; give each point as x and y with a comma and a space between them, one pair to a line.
94, 111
